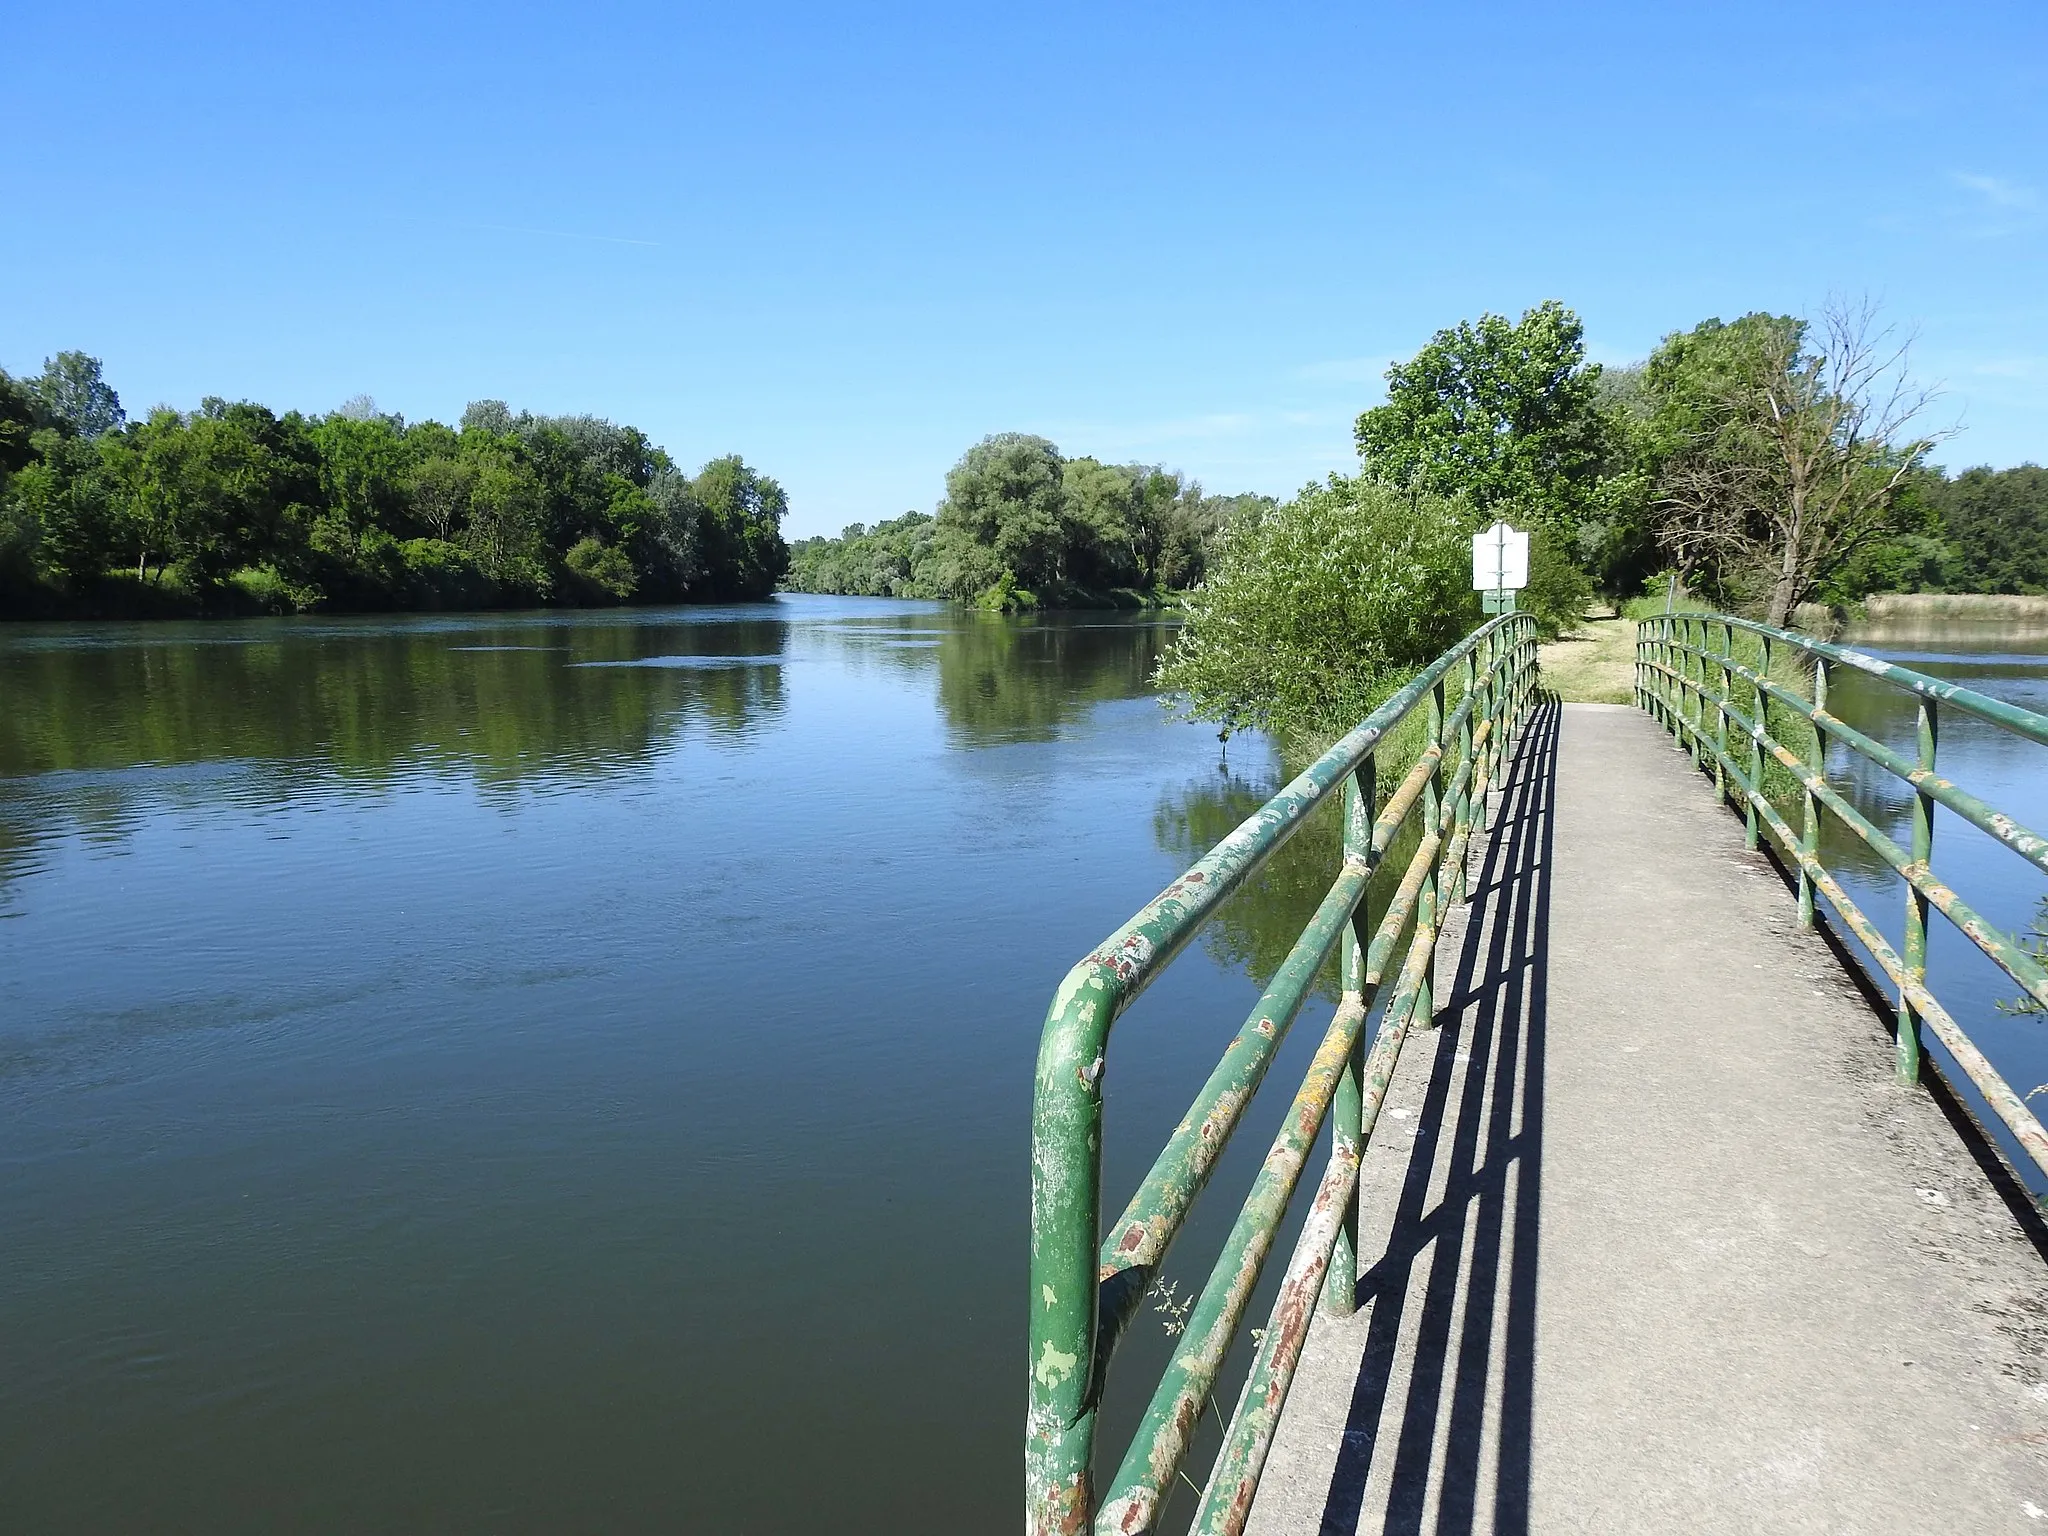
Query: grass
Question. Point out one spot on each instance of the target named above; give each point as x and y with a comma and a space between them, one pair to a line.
1594, 663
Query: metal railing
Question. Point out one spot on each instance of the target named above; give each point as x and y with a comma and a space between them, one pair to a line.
1706, 691
1087, 1285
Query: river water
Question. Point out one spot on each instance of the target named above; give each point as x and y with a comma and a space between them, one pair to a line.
572, 1071
2012, 774
562, 1071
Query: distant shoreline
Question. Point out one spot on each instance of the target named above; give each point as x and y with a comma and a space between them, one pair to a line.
1987, 607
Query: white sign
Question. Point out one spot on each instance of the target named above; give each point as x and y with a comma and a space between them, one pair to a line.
1500, 559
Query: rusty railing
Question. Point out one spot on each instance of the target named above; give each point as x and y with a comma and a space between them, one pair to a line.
1708, 677
1086, 1286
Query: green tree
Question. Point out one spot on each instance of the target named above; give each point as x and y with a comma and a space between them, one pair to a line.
1997, 522
741, 529
1312, 614
74, 395
1788, 451
1507, 416
1005, 512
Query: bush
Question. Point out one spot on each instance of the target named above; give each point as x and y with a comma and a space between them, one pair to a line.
606, 569
1316, 612
261, 588
444, 575
1558, 591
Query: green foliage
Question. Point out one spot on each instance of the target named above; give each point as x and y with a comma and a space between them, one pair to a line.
1785, 456
741, 527
883, 561
1022, 526
603, 566
1508, 416
72, 394
1558, 592
2035, 942
1996, 523
232, 507
1313, 613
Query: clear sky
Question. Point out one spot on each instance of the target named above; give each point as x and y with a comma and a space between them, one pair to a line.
847, 242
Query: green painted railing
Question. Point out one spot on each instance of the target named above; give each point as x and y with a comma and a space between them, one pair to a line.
1086, 1285
1708, 687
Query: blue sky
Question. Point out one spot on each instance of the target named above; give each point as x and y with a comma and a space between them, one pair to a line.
847, 242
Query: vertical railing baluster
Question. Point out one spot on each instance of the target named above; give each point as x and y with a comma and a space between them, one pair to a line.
1432, 809
1759, 705
1462, 831
1721, 712
1696, 655
1916, 899
1340, 1287
1816, 764
1663, 679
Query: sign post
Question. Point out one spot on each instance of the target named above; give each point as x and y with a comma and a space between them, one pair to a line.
1500, 566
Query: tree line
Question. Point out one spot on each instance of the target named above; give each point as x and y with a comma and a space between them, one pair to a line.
1767, 461
1023, 526
235, 508
1763, 462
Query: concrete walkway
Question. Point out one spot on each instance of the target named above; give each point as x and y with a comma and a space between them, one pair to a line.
1660, 1245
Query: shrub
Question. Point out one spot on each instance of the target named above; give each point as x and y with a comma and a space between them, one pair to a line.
1558, 591
444, 575
1314, 613
607, 569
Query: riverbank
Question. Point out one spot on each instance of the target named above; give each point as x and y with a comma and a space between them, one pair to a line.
1976, 607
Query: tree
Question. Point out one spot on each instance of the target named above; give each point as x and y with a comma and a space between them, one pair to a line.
1788, 450
1314, 612
1005, 511
1997, 521
1508, 417
74, 394
741, 528
1108, 536
20, 416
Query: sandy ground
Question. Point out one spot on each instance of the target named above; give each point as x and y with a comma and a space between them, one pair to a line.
1593, 664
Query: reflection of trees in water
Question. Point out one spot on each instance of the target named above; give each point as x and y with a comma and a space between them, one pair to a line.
502, 705
1006, 679
1257, 926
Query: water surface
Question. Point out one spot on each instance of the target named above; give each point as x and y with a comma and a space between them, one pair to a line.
562, 1071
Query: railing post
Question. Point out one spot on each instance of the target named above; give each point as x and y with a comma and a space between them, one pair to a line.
1809, 827
1462, 832
1432, 814
1696, 693
1672, 661
1760, 713
1721, 712
1361, 799
1916, 901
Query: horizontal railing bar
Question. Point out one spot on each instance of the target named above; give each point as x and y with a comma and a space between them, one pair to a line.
2007, 1105
1161, 1444
2028, 844
2000, 947
2012, 717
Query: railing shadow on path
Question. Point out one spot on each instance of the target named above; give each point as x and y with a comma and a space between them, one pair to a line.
1469, 1208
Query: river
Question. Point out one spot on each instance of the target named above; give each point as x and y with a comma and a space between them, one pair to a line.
2008, 663
571, 1071
561, 1071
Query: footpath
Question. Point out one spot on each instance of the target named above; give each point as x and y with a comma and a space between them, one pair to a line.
1655, 1242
